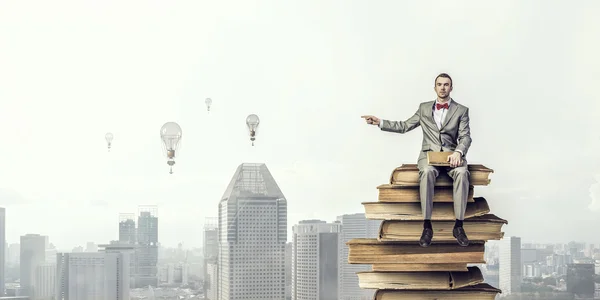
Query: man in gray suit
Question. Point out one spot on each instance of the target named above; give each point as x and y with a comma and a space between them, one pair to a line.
445, 125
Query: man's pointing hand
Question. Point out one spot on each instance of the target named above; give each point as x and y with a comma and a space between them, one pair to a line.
373, 120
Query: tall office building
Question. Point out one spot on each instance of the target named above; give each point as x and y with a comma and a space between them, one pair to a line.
252, 236
126, 249
144, 238
315, 260
13, 255
211, 281
147, 250
33, 254
288, 270
210, 249
45, 281
127, 231
354, 226
211, 238
2, 248
510, 265
51, 254
92, 276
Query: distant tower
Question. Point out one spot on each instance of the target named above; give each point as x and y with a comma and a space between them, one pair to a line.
147, 240
45, 280
354, 226
127, 231
130, 253
100, 275
33, 254
252, 236
510, 268
315, 253
211, 238
210, 253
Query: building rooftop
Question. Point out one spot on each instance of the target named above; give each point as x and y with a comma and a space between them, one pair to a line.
252, 180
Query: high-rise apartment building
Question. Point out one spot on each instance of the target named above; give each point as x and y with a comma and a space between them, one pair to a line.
210, 249
252, 236
33, 254
510, 269
127, 230
315, 260
92, 276
354, 226
147, 250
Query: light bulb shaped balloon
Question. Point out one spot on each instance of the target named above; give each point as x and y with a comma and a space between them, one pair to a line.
109, 138
252, 122
170, 134
208, 102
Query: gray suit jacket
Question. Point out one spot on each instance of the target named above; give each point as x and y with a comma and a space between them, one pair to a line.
454, 135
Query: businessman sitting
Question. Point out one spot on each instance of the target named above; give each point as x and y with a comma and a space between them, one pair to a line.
445, 125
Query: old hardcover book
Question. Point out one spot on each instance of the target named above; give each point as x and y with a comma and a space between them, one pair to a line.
408, 175
420, 267
412, 210
440, 159
372, 251
403, 193
481, 228
428, 280
482, 291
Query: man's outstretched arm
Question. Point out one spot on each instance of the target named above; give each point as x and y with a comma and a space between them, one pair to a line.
464, 134
401, 126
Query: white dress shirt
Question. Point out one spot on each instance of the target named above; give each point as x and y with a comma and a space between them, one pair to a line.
440, 114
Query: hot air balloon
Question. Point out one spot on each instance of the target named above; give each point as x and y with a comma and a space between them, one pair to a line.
109, 139
208, 102
170, 134
252, 122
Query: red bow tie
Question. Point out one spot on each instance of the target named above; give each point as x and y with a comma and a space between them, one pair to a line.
440, 106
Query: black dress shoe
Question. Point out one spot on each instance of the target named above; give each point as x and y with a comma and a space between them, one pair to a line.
461, 236
426, 237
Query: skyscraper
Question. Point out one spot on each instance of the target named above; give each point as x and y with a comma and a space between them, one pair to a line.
147, 250
45, 281
2, 248
354, 226
33, 254
127, 250
315, 252
210, 249
510, 265
211, 281
92, 276
288, 270
211, 239
127, 228
252, 236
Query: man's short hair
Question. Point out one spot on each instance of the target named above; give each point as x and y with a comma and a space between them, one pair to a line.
444, 75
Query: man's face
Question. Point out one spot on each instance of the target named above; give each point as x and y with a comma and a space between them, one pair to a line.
443, 87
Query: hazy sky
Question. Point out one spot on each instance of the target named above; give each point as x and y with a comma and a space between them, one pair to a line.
70, 71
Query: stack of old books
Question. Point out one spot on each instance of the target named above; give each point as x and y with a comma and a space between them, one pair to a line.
401, 268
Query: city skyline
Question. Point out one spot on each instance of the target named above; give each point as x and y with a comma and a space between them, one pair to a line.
309, 70
524, 240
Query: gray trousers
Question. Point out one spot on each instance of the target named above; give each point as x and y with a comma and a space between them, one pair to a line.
428, 175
